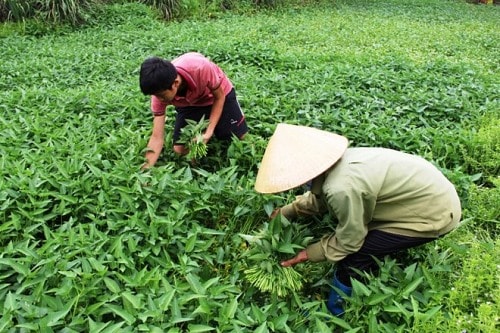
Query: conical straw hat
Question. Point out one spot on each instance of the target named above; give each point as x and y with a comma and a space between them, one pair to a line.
295, 155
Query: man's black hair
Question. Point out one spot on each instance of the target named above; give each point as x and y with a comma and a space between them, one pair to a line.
156, 75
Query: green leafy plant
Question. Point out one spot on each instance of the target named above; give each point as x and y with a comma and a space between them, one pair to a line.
89, 244
168, 8
483, 149
54, 11
266, 249
269, 276
15, 10
192, 138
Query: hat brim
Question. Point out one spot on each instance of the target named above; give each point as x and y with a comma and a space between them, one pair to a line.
295, 155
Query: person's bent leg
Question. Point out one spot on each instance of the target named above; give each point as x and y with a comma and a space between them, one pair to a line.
232, 120
377, 244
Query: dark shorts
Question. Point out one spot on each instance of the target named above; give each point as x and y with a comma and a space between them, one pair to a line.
232, 120
377, 244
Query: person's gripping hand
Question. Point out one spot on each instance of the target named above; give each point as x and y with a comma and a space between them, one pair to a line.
300, 257
274, 213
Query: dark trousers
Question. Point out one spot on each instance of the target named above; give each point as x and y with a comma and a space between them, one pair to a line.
377, 244
232, 120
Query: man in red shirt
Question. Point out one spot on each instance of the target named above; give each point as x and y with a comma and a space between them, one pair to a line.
196, 87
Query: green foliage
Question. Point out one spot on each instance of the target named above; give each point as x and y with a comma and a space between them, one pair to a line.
483, 149
168, 8
192, 138
394, 299
469, 283
474, 293
90, 243
57, 11
15, 10
77, 12
484, 208
50, 11
263, 258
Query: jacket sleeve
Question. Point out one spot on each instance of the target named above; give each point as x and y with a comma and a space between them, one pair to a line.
354, 210
304, 205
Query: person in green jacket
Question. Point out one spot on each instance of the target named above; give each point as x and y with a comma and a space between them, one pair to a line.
384, 200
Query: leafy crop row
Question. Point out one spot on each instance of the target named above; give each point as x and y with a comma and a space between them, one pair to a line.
90, 243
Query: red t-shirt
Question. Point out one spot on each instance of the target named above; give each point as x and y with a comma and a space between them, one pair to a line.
202, 76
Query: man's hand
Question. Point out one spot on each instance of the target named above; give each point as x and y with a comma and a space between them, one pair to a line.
274, 213
300, 257
207, 136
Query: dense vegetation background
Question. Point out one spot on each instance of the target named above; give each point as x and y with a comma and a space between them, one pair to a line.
91, 243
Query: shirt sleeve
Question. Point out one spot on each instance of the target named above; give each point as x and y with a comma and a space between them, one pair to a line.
157, 107
212, 75
304, 205
354, 210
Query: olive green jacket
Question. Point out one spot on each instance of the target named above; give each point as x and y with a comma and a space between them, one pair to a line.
377, 188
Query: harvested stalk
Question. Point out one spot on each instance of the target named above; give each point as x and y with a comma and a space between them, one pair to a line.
192, 138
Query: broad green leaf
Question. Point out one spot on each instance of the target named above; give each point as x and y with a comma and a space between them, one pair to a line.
166, 299
211, 282
70, 274
54, 318
259, 256
194, 282
268, 208
112, 285
10, 302
190, 242
229, 309
393, 309
204, 307
287, 248
411, 287
360, 289
96, 306
96, 265
69, 198
241, 210
280, 321
196, 328
402, 309
181, 320
430, 313
377, 298
97, 327
134, 300
32, 326
262, 328
321, 326
372, 322
410, 271
5, 322
354, 330
250, 238
115, 328
119, 311
19, 268
258, 314
340, 322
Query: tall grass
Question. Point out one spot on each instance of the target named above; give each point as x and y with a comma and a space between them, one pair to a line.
90, 243
78, 12
73, 12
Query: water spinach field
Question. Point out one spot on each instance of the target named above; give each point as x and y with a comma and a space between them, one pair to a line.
92, 243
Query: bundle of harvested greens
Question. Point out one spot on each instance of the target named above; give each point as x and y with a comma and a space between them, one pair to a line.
192, 138
266, 250
271, 277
